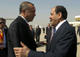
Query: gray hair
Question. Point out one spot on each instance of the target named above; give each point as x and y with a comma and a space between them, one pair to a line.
24, 5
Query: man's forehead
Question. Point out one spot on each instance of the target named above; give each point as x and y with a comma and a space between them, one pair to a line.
53, 9
32, 8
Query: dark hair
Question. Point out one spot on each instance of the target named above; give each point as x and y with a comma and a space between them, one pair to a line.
3, 19
24, 5
30, 25
49, 23
61, 9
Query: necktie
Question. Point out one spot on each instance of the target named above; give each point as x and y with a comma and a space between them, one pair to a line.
30, 29
1, 39
53, 32
28, 24
48, 27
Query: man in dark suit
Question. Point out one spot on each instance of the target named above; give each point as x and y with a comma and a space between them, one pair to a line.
3, 47
32, 31
72, 26
49, 36
48, 28
38, 32
43, 30
19, 29
78, 30
63, 42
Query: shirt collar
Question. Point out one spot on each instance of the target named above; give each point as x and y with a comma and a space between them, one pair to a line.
2, 29
59, 24
24, 19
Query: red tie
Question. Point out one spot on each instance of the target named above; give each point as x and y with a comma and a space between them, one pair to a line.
53, 32
28, 24
1, 39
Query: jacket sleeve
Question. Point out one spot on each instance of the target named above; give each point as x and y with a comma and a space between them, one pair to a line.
14, 35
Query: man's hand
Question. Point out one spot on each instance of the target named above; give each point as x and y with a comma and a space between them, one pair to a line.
21, 51
41, 43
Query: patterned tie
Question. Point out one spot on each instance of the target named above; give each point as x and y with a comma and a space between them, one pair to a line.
1, 39
53, 32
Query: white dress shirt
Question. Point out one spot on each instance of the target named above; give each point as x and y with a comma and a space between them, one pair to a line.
24, 19
59, 24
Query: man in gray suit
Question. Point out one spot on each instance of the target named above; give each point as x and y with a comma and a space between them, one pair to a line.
63, 42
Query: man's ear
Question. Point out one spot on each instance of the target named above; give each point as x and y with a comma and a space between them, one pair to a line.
59, 15
23, 10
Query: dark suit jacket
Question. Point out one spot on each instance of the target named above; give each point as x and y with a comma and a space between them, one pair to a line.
47, 29
33, 32
63, 44
48, 38
38, 31
6, 31
78, 30
43, 29
4, 51
19, 31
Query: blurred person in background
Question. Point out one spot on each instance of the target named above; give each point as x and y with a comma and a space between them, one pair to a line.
3, 38
78, 30
43, 30
32, 31
48, 28
38, 33
49, 35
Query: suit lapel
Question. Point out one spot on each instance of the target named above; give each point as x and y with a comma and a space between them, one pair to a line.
22, 21
25, 24
5, 33
57, 33
6, 36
